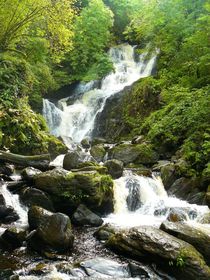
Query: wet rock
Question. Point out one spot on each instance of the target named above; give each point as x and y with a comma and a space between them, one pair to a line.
177, 215
149, 243
29, 173
32, 196
53, 231
184, 188
160, 164
98, 152
140, 153
197, 198
115, 168
91, 166
69, 189
105, 232
137, 270
100, 267
16, 185
168, 174
7, 214
7, 169
36, 216
13, 238
133, 199
205, 219
188, 233
72, 160
6, 274
2, 200
83, 216
85, 143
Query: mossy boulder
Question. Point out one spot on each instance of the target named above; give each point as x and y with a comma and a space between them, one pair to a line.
98, 152
69, 189
139, 153
166, 250
168, 174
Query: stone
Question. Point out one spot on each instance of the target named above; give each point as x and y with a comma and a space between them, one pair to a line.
105, 232
83, 216
139, 139
177, 215
70, 189
7, 214
100, 267
115, 168
171, 253
72, 160
29, 173
128, 153
98, 152
52, 232
205, 219
198, 238
2, 200
13, 238
32, 196
85, 143
7, 169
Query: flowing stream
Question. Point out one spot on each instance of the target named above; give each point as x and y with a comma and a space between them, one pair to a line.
138, 200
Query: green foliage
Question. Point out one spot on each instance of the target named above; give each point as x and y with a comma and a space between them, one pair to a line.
23, 131
92, 35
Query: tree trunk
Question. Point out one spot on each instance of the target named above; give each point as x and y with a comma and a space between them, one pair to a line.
37, 161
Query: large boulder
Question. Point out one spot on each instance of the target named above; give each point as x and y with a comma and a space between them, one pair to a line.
52, 231
32, 196
168, 251
198, 238
139, 153
83, 216
69, 189
115, 168
98, 152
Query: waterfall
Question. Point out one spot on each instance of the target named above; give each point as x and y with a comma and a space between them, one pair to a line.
13, 201
76, 121
142, 200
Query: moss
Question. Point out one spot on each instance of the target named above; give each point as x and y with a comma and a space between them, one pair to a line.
24, 132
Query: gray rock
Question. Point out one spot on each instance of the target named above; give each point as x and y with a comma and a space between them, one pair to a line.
115, 168
85, 143
154, 244
100, 267
168, 174
198, 238
72, 160
83, 216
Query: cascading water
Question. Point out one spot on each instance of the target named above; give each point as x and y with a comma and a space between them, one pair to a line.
76, 121
143, 201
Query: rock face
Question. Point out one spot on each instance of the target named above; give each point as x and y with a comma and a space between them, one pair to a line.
154, 244
83, 216
52, 231
115, 168
139, 153
69, 189
196, 237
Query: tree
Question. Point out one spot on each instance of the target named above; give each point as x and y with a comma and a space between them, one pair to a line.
92, 36
23, 21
